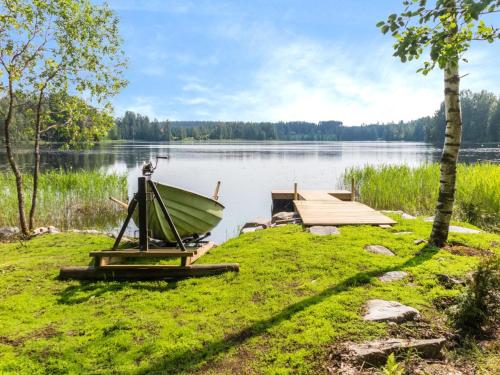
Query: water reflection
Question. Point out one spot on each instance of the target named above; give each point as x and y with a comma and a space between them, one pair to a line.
248, 170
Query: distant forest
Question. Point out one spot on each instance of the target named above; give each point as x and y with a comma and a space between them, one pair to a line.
480, 115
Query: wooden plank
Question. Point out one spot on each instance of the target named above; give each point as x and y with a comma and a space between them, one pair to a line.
343, 195
202, 250
144, 272
151, 253
316, 195
339, 213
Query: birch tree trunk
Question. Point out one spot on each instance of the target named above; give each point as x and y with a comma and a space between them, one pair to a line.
12, 161
36, 170
453, 135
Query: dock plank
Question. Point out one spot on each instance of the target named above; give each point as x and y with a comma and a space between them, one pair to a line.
333, 212
316, 195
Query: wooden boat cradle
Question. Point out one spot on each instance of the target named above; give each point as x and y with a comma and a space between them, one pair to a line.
106, 263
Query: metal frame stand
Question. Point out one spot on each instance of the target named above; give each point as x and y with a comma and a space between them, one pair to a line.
140, 199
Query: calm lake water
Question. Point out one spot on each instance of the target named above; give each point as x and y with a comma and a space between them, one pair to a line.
248, 170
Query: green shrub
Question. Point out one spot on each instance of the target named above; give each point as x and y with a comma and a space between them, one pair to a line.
478, 310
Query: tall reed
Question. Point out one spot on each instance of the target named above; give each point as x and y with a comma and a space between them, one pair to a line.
74, 199
415, 190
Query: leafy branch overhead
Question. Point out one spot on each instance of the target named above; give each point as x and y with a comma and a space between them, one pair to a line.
445, 29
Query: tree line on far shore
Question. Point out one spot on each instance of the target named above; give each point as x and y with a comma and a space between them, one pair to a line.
480, 114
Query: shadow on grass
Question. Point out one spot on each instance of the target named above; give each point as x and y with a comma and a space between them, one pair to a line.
84, 291
188, 359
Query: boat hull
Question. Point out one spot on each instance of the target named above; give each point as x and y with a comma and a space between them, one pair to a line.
193, 214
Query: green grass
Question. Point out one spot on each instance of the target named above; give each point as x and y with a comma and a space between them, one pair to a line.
295, 295
415, 190
76, 199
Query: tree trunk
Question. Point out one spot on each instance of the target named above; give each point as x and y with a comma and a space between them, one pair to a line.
453, 134
36, 170
12, 161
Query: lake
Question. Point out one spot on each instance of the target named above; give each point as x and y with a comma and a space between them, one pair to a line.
248, 170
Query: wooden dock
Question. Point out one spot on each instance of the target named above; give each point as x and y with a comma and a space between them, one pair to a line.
322, 207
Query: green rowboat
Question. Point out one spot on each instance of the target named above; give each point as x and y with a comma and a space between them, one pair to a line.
193, 214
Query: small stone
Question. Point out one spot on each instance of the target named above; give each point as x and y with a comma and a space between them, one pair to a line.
249, 230
404, 215
378, 249
429, 219
393, 276
389, 311
321, 230
6, 232
403, 233
375, 353
385, 226
281, 217
457, 229
53, 230
40, 230
449, 281
258, 222
419, 241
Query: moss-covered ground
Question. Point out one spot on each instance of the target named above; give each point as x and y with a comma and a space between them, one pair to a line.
295, 295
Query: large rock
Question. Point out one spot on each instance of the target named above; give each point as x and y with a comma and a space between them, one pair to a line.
285, 217
457, 229
257, 222
7, 232
393, 276
378, 310
323, 230
378, 249
375, 353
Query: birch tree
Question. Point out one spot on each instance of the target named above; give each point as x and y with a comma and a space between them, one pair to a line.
57, 47
442, 30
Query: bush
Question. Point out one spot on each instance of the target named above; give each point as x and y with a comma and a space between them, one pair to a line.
478, 311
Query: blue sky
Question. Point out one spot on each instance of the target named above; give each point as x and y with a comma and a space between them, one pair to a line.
278, 60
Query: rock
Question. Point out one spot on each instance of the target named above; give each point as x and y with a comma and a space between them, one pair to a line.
321, 230
42, 230
429, 219
282, 217
385, 226
419, 241
379, 310
7, 232
403, 233
378, 249
393, 276
449, 281
375, 353
404, 215
258, 222
457, 229
251, 229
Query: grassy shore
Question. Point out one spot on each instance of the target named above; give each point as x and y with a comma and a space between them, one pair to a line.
415, 190
67, 199
295, 296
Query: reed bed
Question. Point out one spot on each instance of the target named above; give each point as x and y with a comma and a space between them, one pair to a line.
415, 190
74, 199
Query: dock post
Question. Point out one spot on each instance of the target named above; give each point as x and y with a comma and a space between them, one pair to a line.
216, 191
295, 192
353, 190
